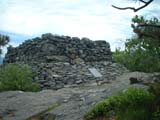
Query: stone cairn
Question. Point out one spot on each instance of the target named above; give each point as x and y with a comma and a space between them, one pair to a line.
63, 61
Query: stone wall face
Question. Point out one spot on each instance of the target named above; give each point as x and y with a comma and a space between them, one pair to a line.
51, 48
63, 74
62, 61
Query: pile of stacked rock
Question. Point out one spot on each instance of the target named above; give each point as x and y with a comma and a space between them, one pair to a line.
61, 61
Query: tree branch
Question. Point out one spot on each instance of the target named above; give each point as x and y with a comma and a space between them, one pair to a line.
141, 33
143, 1
135, 9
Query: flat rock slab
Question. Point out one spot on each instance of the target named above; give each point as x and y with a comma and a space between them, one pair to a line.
95, 72
17, 105
74, 102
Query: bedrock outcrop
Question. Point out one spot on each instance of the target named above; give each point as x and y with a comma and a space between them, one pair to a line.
66, 103
63, 104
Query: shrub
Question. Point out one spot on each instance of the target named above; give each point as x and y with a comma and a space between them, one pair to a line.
102, 108
155, 89
17, 77
156, 114
135, 61
132, 104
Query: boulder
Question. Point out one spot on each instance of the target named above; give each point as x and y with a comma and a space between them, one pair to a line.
141, 77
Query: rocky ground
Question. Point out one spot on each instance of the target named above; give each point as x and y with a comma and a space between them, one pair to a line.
74, 74
63, 104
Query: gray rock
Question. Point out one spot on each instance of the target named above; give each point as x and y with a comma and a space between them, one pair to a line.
95, 72
62, 60
79, 82
69, 103
63, 104
38, 49
141, 77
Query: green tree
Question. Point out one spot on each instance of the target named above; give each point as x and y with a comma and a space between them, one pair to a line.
142, 53
4, 39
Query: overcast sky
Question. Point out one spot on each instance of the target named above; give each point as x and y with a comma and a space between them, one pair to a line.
95, 19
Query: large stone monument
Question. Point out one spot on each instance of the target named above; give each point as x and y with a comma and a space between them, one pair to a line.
61, 61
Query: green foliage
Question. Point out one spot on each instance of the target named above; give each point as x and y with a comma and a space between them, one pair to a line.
138, 102
134, 97
132, 104
138, 60
155, 89
134, 114
141, 54
4, 39
102, 108
156, 115
17, 77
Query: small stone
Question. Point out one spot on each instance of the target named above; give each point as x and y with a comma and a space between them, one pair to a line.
55, 76
82, 99
79, 82
65, 101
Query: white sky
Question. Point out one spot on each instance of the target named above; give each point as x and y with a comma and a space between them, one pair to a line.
95, 19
